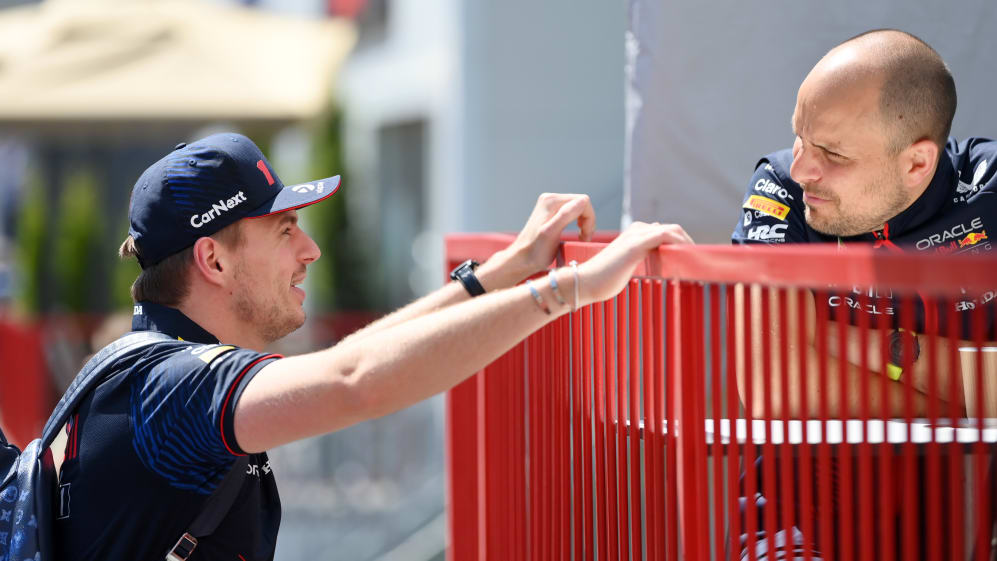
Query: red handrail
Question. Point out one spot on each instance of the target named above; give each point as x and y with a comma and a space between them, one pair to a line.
600, 419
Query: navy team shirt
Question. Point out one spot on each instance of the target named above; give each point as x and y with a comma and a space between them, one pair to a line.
957, 213
152, 441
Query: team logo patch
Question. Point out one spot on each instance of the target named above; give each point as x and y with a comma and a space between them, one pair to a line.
767, 206
747, 218
207, 354
973, 238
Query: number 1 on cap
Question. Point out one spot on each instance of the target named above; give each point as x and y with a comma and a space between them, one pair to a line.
263, 167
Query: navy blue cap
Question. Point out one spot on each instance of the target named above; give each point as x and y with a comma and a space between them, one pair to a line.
202, 187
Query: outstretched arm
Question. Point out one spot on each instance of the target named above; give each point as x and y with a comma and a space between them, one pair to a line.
532, 251
407, 359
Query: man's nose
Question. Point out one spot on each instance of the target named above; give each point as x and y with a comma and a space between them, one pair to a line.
805, 167
310, 251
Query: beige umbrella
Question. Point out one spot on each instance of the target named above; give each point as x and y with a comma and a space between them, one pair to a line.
127, 60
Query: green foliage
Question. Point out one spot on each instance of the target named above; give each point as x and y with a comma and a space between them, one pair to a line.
339, 276
78, 235
123, 274
30, 248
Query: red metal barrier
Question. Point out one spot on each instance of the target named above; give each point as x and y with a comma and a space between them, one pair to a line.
703, 414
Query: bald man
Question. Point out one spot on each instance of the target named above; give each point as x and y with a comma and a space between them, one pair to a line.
872, 163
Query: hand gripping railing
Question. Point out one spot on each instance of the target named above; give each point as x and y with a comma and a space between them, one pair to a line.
738, 403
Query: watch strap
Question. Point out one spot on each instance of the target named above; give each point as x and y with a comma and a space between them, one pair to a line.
464, 274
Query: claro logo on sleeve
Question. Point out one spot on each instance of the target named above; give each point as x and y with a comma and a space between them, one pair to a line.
767, 206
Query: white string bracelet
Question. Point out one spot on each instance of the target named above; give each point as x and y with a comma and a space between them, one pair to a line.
552, 277
574, 271
537, 298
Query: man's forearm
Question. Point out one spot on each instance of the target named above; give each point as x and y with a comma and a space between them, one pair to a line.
500, 271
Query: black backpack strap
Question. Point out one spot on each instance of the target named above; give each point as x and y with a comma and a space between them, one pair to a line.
213, 511
91, 375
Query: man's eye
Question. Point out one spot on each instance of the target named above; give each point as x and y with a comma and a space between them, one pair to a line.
286, 232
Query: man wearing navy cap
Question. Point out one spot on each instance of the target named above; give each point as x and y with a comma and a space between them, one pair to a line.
223, 258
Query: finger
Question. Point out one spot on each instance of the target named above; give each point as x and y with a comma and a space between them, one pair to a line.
679, 234
571, 211
586, 221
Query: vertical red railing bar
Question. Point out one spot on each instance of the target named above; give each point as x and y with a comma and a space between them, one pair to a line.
956, 491
733, 412
520, 508
658, 410
482, 463
532, 407
557, 436
825, 510
612, 433
865, 490
673, 372
543, 465
578, 517
567, 476
690, 437
462, 524
621, 419
512, 459
807, 510
887, 478
933, 452
750, 476
786, 452
984, 524
769, 488
909, 508
648, 338
536, 405
536, 429
698, 363
563, 446
633, 415
601, 428
500, 399
715, 404
588, 417
549, 459
846, 511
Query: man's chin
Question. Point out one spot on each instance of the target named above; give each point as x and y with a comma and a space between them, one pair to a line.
822, 224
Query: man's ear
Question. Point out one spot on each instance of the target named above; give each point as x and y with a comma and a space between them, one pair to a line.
208, 257
918, 162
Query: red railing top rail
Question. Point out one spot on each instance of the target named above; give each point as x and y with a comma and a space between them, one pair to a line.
813, 266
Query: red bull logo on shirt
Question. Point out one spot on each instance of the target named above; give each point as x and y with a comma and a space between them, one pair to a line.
973, 238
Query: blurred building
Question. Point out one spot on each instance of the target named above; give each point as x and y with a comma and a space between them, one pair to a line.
458, 114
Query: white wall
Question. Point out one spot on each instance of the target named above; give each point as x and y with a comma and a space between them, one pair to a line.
712, 86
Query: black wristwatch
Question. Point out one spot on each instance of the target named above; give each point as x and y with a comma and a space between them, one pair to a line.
464, 273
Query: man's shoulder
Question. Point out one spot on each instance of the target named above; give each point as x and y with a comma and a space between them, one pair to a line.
777, 162
168, 360
974, 161
771, 175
